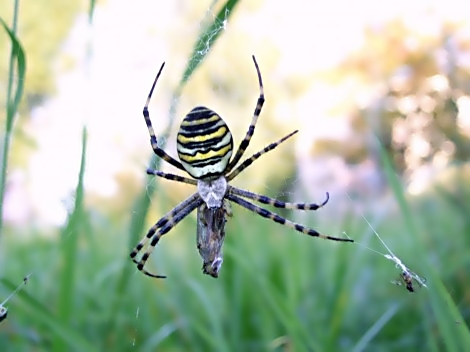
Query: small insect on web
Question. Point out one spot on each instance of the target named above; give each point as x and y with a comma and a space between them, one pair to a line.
205, 148
407, 277
3, 309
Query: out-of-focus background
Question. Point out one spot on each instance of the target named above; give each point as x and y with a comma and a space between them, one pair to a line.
381, 95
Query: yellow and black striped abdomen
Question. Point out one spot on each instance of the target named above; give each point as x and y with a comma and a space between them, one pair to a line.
204, 143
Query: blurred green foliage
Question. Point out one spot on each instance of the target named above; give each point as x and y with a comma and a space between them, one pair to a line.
41, 41
277, 291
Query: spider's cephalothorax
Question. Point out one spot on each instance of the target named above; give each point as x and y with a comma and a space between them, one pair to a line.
205, 148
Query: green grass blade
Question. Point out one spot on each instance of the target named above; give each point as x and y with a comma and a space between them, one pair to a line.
67, 288
38, 312
453, 331
91, 10
206, 41
445, 311
397, 189
18, 56
375, 329
17, 68
203, 45
136, 229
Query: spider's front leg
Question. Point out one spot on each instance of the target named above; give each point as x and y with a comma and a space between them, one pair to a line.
251, 129
153, 138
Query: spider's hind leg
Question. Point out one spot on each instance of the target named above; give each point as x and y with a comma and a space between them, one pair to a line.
280, 220
163, 226
277, 203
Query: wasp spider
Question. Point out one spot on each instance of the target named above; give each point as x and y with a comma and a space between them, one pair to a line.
205, 147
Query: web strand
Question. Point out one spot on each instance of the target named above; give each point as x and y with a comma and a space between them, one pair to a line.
406, 276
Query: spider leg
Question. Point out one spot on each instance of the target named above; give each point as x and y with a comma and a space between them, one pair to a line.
255, 156
162, 226
171, 177
153, 139
275, 202
168, 217
280, 220
246, 141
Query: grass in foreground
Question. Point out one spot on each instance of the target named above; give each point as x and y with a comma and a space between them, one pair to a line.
278, 290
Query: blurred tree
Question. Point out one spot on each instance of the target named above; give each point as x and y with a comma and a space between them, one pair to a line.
417, 82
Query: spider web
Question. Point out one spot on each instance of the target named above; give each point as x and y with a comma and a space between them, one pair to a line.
212, 26
405, 272
3, 309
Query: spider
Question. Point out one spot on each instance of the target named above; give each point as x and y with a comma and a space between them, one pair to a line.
205, 147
